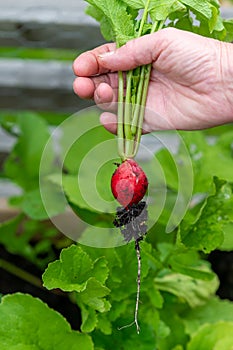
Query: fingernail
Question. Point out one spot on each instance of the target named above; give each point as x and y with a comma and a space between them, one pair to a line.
106, 54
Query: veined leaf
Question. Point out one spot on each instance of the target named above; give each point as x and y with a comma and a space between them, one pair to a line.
76, 271
136, 4
214, 336
202, 7
190, 264
94, 12
160, 9
116, 14
93, 295
178, 7
194, 292
89, 319
105, 25
213, 311
104, 324
206, 233
73, 271
214, 19
228, 25
26, 323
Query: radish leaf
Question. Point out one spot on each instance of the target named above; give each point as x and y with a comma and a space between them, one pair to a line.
115, 12
27, 323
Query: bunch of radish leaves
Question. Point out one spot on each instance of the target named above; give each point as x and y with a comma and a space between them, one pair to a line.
123, 20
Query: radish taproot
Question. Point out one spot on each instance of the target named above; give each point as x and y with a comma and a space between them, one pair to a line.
129, 183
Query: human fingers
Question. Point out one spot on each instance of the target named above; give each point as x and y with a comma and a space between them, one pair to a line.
88, 64
137, 52
106, 98
109, 121
102, 88
84, 87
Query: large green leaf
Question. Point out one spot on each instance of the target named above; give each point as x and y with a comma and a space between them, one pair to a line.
73, 271
203, 7
189, 263
116, 13
26, 323
217, 336
136, 4
194, 292
228, 24
161, 9
77, 271
206, 232
213, 311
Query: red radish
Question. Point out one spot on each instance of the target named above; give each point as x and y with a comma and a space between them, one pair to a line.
129, 183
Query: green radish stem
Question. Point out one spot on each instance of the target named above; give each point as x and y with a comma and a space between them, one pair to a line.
139, 111
143, 87
120, 124
131, 111
146, 75
126, 143
136, 114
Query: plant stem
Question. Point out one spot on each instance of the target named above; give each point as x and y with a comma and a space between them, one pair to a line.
127, 145
141, 108
134, 124
120, 113
127, 116
18, 272
130, 118
144, 18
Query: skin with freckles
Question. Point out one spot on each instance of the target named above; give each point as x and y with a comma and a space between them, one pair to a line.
191, 84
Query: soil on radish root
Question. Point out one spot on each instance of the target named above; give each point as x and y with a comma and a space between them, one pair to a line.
132, 221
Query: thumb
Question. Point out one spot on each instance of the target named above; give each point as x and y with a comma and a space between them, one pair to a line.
136, 52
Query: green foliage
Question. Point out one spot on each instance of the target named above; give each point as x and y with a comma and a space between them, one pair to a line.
114, 19
28, 323
28, 238
206, 233
215, 310
194, 291
25, 158
178, 287
99, 279
202, 17
218, 336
